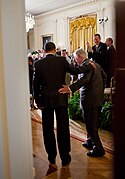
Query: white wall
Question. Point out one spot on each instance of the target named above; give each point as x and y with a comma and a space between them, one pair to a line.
15, 122
31, 40
57, 22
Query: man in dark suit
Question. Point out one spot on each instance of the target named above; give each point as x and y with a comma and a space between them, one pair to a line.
49, 76
91, 87
111, 60
98, 52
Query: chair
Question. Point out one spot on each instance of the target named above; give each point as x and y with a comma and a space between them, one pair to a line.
110, 91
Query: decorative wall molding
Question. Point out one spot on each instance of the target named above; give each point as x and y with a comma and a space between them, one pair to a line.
57, 22
74, 6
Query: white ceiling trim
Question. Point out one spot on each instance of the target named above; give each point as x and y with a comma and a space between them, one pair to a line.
76, 5
36, 7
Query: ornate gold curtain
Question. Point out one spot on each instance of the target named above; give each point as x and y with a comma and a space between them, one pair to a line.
82, 30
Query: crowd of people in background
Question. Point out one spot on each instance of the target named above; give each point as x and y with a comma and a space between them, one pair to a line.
102, 53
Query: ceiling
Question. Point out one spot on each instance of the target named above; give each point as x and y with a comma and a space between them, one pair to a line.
42, 6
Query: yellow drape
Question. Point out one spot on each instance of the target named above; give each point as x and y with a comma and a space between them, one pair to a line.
82, 30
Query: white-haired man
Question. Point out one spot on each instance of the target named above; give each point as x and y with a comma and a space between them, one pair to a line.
91, 87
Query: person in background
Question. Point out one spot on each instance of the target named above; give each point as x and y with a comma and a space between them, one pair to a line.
98, 52
49, 75
30, 63
91, 86
58, 51
111, 60
64, 54
34, 56
67, 53
73, 62
68, 76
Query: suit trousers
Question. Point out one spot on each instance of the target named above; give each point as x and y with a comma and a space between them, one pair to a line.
63, 134
92, 122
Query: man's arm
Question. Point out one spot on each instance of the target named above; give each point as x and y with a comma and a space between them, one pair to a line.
101, 54
83, 81
89, 50
75, 70
90, 55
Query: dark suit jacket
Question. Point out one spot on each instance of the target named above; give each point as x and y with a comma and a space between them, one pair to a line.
49, 76
30, 77
99, 55
111, 64
111, 60
91, 87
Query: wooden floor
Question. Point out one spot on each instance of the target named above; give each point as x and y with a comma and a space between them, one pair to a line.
81, 166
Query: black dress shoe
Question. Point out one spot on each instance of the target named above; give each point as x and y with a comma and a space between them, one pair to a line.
87, 145
95, 153
67, 161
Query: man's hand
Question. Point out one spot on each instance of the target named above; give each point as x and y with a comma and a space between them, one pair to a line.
89, 48
64, 90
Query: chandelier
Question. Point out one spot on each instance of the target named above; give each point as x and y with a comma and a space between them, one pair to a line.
30, 22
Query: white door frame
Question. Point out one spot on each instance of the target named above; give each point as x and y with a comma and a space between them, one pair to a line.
15, 123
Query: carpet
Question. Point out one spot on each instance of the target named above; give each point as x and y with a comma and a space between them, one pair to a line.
78, 131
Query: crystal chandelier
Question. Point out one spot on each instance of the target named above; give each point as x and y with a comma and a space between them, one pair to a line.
30, 22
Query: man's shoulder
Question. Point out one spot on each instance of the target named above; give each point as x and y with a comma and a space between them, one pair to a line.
86, 61
112, 48
38, 62
88, 64
103, 45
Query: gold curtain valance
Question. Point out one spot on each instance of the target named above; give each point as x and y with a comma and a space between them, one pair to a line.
84, 22
81, 27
